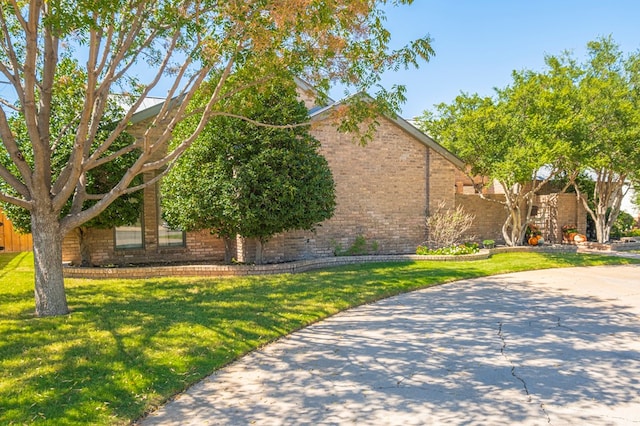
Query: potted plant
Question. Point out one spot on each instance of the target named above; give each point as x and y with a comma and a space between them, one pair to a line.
488, 244
533, 235
569, 232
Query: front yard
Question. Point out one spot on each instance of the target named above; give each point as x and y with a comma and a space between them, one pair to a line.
128, 345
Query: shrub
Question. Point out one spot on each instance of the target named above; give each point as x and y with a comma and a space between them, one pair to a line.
446, 227
488, 243
632, 233
454, 250
622, 225
358, 248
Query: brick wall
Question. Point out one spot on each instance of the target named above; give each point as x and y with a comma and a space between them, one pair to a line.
199, 246
383, 190
489, 215
553, 212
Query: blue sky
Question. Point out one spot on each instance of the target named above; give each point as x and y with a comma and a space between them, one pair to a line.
478, 43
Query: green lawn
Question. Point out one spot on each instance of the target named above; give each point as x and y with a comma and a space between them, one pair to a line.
128, 345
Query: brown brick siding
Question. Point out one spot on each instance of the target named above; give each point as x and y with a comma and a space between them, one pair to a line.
381, 194
488, 216
383, 191
554, 211
200, 246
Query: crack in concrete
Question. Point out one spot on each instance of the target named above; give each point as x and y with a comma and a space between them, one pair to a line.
564, 327
513, 370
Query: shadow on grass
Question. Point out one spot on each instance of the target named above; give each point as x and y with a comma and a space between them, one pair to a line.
11, 263
129, 345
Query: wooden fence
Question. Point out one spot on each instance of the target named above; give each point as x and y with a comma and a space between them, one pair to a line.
10, 240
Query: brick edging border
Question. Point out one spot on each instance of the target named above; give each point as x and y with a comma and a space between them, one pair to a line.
244, 270
201, 270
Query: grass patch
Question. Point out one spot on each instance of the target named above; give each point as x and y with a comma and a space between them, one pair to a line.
128, 345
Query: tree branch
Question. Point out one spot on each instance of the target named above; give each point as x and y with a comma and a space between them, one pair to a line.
9, 142
9, 178
16, 201
64, 188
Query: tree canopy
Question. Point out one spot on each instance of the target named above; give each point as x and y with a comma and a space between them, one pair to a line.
239, 178
572, 119
136, 48
499, 138
609, 151
66, 98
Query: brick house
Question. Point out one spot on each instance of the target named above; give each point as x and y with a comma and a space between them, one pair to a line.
383, 191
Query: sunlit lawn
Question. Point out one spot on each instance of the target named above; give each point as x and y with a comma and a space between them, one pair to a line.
128, 345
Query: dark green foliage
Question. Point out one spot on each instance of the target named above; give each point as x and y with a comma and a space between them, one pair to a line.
255, 181
68, 96
623, 224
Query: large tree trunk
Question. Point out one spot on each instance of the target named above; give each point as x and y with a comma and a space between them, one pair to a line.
608, 199
600, 219
47, 252
603, 232
513, 229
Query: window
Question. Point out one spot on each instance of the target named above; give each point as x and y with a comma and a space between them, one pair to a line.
130, 236
168, 237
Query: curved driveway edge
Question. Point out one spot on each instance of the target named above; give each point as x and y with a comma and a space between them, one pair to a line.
557, 347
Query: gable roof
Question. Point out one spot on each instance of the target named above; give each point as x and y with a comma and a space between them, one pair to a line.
405, 126
316, 112
153, 108
307, 87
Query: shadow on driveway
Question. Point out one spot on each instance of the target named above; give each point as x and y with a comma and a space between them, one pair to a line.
542, 347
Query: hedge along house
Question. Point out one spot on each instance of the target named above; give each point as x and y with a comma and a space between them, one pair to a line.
383, 193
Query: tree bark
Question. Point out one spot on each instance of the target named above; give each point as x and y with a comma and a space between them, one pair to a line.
607, 195
85, 251
513, 229
259, 252
228, 247
47, 252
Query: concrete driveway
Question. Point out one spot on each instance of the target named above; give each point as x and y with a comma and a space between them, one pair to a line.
547, 347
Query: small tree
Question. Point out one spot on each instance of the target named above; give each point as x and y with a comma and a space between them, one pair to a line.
623, 223
254, 181
447, 227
